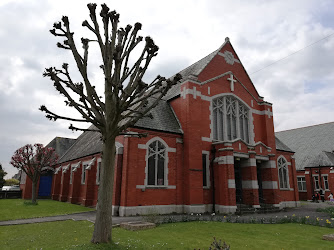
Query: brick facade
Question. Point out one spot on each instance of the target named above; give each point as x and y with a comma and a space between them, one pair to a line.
236, 171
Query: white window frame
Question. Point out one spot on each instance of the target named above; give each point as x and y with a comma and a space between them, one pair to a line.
83, 174
325, 181
302, 183
71, 174
316, 182
286, 177
221, 119
98, 171
165, 156
207, 154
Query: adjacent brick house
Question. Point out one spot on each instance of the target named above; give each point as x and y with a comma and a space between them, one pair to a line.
314, 146
211, 147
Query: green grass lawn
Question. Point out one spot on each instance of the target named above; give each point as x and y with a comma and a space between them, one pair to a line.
186, 235
12, 209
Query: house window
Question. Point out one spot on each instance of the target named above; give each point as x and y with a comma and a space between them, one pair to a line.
98, 173
325, 178
71, 175
83, 175
316, 182
230, 119
301, 183
156, 159
206, 170
283, 173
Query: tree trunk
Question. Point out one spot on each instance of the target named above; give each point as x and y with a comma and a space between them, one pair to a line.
103, 222
34, 191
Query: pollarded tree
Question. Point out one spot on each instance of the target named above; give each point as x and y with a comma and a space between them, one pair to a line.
126, 97
33, 160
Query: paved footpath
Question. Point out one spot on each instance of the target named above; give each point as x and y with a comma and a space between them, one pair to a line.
90, 216
306, 209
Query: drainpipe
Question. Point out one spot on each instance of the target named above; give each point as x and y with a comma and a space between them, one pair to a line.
213, 151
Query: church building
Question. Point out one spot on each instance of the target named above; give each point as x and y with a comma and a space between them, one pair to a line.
211, 147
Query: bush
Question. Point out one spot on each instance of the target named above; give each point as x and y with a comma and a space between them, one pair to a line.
12, 182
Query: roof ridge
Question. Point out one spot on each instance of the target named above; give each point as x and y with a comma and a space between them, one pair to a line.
305, 127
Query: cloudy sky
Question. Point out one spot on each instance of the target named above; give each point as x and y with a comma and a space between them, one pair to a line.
301, 86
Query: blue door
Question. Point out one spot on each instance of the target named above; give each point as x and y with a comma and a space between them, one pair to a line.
45, 183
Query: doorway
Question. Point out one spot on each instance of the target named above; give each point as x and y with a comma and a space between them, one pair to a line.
259, 180
238, 181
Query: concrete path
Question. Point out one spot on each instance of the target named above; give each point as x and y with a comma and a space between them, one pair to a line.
90, 216
306, 209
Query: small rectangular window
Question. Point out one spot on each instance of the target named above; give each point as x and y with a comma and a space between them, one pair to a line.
98, 173
301, 183
325, 178
83, 175
316, 183
204, 170
71, 175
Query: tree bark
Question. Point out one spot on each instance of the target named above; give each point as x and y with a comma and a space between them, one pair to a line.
103, 222
34, 191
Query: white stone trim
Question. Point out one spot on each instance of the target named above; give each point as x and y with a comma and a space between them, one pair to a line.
226, 209
143, 187
251, 162
155, 209
250, 184
262, 157
231, 183
195, 93
330, 171
89, 163
57, 170
65, 168
256, 206
206, 139
307, 172
114, 210
269, 185
241, 155
269, 164
263, 112
227, 159
75, 166
168, 150
194, 209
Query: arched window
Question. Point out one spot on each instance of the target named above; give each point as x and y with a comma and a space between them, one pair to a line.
156, 158
283, 173
230, 119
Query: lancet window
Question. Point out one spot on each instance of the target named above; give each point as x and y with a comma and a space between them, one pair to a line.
230, 119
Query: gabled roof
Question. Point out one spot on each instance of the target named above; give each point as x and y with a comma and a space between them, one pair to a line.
281, 146
313, 145
89, 142
193, 70
61, 145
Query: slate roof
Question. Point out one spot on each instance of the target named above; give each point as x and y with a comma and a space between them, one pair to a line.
313, 145
164, 119
61, 145
193, 70
87, 143
281, 146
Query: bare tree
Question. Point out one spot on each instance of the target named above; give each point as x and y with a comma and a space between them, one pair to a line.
33, 160
125, 98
